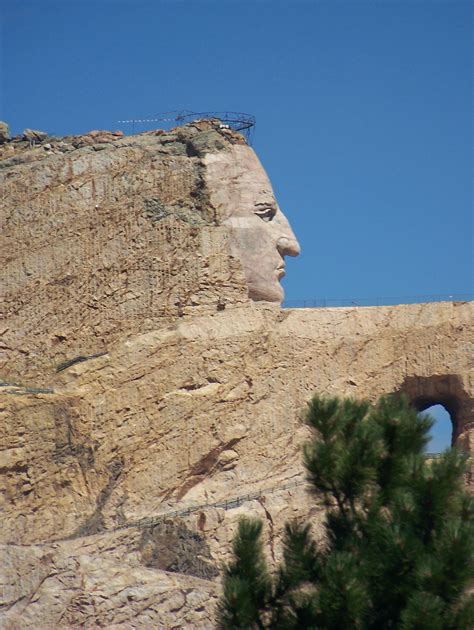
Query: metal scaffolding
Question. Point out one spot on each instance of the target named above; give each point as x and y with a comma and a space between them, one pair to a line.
237, 121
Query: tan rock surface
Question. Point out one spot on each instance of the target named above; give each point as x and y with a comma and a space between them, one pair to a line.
104, 235
122, 476
202, 412
60, 586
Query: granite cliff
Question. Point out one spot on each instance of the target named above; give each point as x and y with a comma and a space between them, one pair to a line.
146, 401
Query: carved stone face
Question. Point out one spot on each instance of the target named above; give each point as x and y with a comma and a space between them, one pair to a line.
260, 234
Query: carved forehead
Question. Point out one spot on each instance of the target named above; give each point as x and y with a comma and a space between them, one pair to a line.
236, 181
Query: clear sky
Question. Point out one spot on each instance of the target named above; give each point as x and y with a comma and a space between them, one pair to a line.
364, 115
442, 431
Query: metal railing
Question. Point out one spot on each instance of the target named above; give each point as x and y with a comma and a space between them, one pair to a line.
18, 390
378, 301
227, 504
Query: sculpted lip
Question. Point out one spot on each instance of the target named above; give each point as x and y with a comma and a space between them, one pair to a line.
281, 271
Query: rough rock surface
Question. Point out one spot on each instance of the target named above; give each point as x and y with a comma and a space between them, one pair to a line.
104, 235
123, 474
33, 135
4, 132
195, 414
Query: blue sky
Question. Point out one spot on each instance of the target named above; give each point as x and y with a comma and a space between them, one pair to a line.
364, 115
442, 431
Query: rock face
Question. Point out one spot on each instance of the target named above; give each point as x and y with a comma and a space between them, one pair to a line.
260, 235
33, 135
142, 414
4, 132
119, 235
113, 235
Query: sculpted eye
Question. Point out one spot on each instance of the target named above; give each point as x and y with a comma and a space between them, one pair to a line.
266, 214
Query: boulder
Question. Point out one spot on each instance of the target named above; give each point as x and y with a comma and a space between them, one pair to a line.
4, 132
33, 135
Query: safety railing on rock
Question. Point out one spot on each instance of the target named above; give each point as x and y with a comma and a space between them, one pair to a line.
378, 301
227, 504
19, 390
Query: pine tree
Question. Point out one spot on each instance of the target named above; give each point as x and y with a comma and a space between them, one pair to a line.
399, 534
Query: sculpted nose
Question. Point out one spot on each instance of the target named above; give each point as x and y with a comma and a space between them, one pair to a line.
288, 246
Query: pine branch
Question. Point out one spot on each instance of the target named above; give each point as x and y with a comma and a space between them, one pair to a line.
399, 547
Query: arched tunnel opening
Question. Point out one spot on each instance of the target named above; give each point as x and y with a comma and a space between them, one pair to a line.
445, 399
